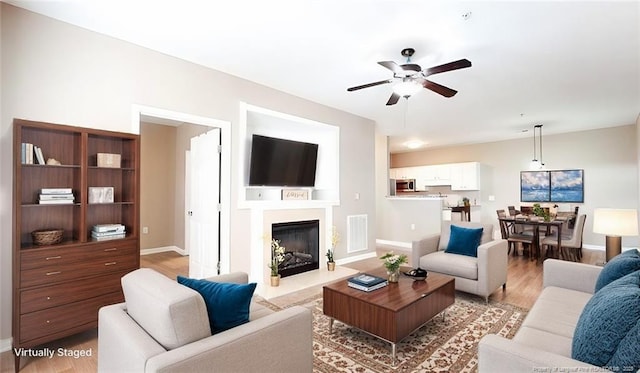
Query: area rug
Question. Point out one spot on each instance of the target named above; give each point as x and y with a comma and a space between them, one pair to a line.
448, 345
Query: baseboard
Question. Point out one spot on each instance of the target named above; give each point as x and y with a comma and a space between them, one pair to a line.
356, 258
5, 345
156, 250
398, 244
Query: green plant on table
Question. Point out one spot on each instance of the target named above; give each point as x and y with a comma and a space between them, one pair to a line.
392, 262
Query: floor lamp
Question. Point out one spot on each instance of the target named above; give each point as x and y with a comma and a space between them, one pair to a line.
615, 223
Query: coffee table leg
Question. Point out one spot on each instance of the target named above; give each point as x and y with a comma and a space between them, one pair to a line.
444, 314
331, 325
393, 353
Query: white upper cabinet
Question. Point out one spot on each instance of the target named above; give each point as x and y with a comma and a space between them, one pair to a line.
405, 173
437, 175
465, 176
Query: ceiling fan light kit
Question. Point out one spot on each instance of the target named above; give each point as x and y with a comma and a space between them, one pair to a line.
412, 77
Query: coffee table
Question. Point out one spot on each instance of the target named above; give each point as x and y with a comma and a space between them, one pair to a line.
392, 312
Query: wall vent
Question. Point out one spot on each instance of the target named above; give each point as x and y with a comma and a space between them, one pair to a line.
356, 233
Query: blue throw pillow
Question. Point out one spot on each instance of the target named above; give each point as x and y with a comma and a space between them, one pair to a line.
619, 266
607, 333
227, 304
464, 241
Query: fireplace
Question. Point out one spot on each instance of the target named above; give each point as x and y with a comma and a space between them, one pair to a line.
301, 240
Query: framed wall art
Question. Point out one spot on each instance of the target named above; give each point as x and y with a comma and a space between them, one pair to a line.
534, 186
552, 186
567, 186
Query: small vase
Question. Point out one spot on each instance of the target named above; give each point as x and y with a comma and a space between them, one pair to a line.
275, 280
393, 275
331, 266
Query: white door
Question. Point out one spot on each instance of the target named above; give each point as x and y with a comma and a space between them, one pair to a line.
204, 213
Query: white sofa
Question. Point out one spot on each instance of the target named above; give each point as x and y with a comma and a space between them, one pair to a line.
480, 275
543, 342
164, 327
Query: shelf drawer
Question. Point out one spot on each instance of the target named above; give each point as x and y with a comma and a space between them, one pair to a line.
57, 295
70, 271
54, 257
54, 320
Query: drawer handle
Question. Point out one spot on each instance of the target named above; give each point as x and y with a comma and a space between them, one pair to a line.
112, 249
53, 273
48, 298
110, 263
48, 321
53, 257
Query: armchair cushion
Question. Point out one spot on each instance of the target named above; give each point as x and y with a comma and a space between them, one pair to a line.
227, 303
172, 314
607, 332
464, 241
620, 266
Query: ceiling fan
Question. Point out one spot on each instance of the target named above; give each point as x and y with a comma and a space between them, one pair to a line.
413, 77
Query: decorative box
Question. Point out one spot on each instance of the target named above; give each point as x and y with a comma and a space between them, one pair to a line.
109, 160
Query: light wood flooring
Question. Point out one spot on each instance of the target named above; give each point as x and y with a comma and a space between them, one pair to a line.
524, 283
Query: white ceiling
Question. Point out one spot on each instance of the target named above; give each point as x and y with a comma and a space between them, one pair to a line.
565, 64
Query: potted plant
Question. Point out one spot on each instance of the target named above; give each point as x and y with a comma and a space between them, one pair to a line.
541, 212
331, 264
277, 257
392, 263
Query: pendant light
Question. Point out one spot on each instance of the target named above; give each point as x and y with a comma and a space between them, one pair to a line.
535, 163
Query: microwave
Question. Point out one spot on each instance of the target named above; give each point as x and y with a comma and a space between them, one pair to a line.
405, 185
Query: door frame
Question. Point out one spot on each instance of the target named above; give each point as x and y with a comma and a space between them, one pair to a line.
225, 165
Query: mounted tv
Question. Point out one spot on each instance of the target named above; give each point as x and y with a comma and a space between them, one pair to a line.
280, 162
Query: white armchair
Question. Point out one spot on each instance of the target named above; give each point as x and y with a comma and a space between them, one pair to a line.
480, 275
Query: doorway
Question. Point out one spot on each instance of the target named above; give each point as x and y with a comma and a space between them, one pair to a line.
174, 229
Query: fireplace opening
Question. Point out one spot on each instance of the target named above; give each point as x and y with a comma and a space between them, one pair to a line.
301, 240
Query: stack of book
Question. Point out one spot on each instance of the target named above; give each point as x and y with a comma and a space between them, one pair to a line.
31, 154
55, 196
107, 232
367, 282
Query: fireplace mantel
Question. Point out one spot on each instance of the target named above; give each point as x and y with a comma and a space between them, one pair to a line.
260, 228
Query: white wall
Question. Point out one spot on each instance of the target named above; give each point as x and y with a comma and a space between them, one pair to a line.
609, 158
55, 72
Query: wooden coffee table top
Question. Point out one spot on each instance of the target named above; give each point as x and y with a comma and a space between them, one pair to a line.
394, 296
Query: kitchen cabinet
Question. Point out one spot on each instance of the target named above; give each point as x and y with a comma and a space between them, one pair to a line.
437, 175
465, 176
405, 173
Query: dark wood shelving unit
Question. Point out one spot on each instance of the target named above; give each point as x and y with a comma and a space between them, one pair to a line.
58, 288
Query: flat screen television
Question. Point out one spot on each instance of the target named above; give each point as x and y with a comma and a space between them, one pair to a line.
280, 162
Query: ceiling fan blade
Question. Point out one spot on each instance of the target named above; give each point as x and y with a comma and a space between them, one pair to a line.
455, 65
368, 85
440, 89
393, 99
392, 66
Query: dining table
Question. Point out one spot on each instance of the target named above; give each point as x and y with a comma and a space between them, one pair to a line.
538, 224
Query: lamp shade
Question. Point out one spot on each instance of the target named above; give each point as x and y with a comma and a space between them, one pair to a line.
616, 222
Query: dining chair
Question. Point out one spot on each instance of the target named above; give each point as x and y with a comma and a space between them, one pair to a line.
512, 211
570, 247
515, 239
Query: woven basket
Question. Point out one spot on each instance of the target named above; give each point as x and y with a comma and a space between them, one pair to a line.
47, 236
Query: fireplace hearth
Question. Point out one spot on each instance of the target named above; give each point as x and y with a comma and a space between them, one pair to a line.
301, 240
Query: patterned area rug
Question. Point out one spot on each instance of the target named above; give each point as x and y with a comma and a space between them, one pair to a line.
448, 345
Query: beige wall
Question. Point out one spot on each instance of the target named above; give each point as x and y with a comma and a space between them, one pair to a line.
609, 158
157, 185
55, 72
